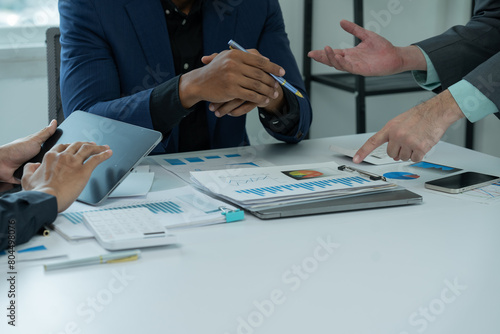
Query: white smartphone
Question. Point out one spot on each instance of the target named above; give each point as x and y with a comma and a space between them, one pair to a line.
459, 183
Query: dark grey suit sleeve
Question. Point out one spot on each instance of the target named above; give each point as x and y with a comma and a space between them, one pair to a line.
470, 52
22, 214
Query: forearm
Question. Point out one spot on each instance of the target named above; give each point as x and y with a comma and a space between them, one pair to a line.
189, 90
23, 214
166, 107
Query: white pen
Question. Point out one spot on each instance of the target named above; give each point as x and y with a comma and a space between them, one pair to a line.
105, 258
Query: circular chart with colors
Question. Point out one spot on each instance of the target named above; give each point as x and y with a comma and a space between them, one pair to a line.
401, 176
305, 174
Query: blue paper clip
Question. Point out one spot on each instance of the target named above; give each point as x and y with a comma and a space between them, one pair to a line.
232, 215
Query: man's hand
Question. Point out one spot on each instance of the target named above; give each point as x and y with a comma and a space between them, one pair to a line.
14, 154
64, 171
238, 107
412, 134
374, 56
234, 76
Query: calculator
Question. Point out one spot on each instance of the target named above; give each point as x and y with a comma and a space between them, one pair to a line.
127, 228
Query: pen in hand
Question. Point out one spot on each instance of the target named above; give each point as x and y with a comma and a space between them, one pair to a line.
233, 45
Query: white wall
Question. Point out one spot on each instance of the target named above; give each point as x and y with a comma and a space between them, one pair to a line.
333, 109
23, 83
23, 92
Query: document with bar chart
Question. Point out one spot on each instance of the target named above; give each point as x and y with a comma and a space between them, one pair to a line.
265, 186
176, 208
181, 165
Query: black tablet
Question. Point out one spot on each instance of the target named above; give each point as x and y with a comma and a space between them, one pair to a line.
129, 143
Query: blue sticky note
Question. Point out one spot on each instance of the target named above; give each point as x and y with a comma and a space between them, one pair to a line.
194, 159
175, 162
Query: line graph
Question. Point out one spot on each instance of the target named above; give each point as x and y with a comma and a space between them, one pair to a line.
245, 179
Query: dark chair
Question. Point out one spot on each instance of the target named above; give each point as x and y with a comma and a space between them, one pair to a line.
53, 65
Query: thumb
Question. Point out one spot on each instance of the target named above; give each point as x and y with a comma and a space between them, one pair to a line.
44, 134
208, 59
354, 29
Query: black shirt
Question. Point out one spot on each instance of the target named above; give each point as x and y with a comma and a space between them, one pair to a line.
186, 40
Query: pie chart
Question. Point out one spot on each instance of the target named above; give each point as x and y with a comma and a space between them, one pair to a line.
305, 174
401, 176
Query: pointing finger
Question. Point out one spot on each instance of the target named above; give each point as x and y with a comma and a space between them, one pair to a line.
375, 141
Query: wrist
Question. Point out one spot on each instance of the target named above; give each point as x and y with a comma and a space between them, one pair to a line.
276, 105
451, 110
189, 90
48, 191
412, 58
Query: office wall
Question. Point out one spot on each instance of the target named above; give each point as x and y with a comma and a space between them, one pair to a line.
23, 82
416, 20
23, 92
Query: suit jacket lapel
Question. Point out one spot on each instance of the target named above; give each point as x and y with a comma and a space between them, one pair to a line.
149, 20
219, 23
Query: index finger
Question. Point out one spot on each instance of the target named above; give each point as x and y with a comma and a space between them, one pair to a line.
375, 141
95, 159
264, 64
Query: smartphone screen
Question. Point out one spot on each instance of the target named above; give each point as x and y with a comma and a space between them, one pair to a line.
462, 182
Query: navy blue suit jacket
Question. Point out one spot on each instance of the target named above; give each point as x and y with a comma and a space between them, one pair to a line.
114, 52
22, 214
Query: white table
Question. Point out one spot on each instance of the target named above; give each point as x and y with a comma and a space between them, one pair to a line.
429, 268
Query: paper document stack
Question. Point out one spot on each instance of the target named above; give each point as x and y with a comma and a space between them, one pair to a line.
253, 188
175, 208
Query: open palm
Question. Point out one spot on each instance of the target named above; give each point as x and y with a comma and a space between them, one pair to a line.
374, 56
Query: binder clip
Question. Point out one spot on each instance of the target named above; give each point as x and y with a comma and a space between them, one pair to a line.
232, 215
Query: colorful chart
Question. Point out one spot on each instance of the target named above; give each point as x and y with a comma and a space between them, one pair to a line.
303, 174
401, 176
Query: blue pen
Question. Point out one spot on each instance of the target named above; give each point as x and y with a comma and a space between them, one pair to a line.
282, 81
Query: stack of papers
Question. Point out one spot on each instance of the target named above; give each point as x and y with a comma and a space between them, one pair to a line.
253, 188
175, 208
